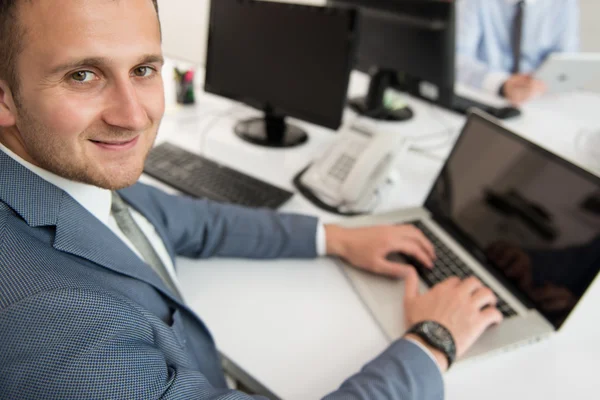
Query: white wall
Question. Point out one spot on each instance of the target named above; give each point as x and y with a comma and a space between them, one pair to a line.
590, 25
185, 27
590, 30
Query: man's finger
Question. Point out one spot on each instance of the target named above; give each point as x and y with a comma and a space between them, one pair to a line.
470, 285
489, 317
417, 235
453, 281
411, 284
392, 269
486, 319
484, 297
411, 232
411, 248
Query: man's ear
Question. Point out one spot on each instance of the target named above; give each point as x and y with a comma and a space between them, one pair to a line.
7, 106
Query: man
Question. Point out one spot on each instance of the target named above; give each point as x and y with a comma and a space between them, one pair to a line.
500, 43
89, 303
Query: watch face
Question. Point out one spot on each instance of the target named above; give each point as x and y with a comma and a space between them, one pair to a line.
437, 333
437, 336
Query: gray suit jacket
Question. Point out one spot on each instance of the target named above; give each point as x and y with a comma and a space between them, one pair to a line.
82, 317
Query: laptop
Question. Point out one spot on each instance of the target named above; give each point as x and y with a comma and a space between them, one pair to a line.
562, 72
512, 214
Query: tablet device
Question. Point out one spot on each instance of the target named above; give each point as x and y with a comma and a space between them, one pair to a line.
563, 72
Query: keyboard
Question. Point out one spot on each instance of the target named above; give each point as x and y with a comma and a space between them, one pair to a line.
463, 104
448, 264
197, 176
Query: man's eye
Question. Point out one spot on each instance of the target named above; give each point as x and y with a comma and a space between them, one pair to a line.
142, 71
82, 76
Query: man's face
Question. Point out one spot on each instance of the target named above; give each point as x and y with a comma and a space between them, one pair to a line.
91, 96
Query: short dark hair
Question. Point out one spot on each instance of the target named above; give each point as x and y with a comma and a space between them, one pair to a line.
11, 41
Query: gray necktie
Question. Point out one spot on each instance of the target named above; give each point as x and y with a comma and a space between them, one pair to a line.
132, 231
517, 36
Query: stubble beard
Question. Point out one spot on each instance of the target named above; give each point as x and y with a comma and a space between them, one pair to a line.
51, 155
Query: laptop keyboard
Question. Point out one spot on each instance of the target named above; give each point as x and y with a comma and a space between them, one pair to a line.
448, 264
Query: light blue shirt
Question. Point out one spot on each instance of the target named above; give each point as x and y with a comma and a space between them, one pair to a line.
483, 40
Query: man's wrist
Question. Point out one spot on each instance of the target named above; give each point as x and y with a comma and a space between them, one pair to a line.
438, 355
335, 240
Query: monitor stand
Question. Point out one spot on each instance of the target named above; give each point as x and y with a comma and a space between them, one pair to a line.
270, 131
373, 105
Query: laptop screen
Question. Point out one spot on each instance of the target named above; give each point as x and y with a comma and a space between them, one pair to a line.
534, 217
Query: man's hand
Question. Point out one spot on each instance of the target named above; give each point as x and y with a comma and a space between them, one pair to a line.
466, 308
368, 248
521, 88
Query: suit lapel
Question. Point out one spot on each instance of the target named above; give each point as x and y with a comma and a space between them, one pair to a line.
78, 232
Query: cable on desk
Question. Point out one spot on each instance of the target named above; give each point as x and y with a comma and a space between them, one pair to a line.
426, 153
216, 118
448, 133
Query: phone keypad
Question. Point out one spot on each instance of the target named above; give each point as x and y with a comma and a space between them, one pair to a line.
342, 167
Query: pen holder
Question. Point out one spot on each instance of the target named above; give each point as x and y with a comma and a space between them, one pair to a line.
184, 81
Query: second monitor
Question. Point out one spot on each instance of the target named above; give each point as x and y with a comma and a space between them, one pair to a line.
409, 45
286, 60
408, 39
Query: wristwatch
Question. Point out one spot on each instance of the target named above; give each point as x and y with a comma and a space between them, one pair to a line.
437, 336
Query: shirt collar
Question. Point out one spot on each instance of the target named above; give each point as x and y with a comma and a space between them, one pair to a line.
94, 199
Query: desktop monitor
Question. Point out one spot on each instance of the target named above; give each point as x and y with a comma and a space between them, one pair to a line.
407, 44
284, 59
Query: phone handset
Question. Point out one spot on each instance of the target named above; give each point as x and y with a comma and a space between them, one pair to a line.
370, 171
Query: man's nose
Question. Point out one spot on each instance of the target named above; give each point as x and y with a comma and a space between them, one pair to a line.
124, 109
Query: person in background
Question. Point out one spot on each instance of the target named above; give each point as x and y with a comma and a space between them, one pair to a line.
500, 43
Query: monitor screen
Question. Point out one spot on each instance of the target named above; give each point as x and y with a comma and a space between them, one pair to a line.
295, 60
534, 216
415, 37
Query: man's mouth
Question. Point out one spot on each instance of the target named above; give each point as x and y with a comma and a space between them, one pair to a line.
113, 144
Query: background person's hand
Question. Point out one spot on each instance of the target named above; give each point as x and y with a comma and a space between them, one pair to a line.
368, 248
520, 88
466, 308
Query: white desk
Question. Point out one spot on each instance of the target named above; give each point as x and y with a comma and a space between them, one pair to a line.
299, 328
